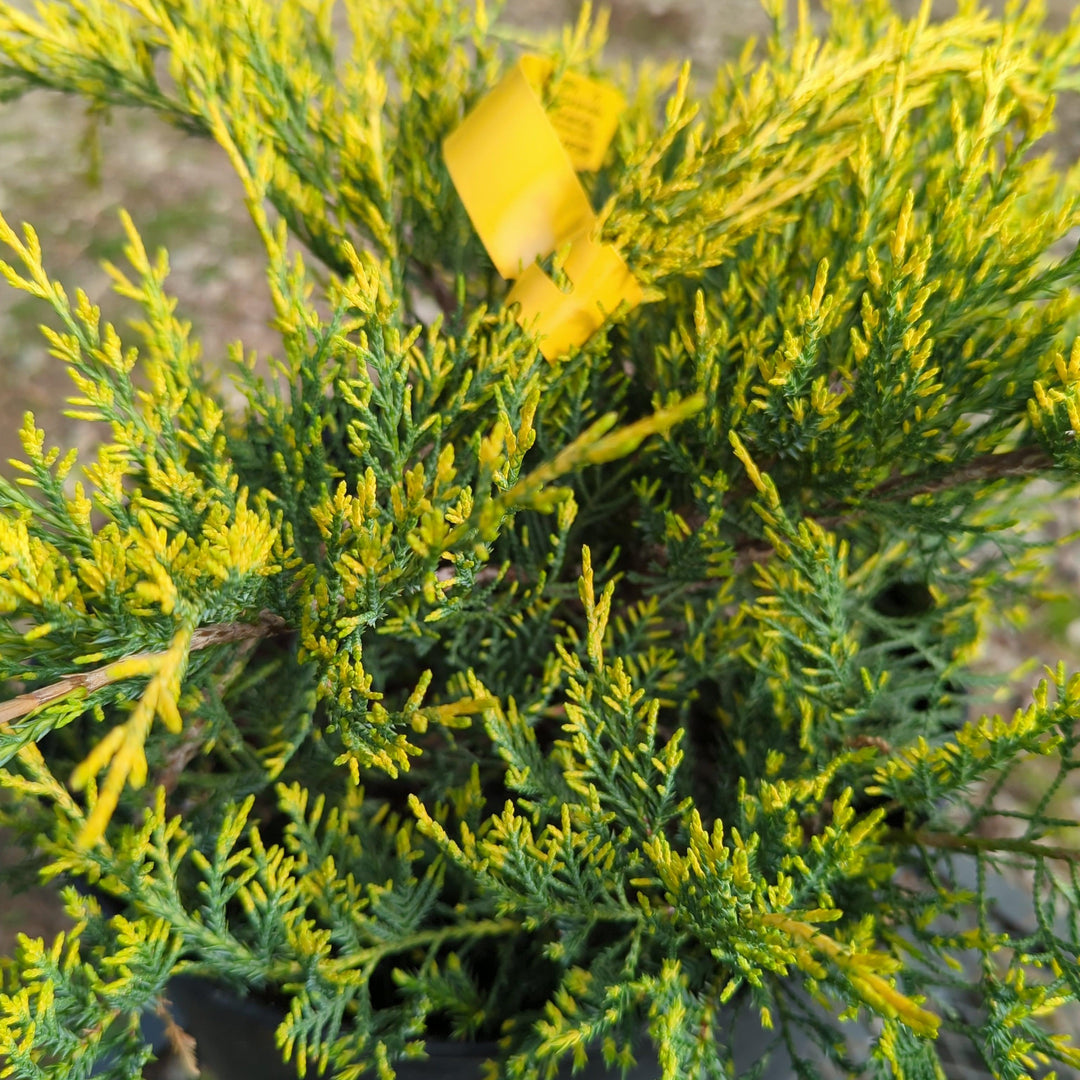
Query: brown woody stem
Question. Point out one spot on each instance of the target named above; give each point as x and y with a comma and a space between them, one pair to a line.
203, 638
990, 844
1027, 461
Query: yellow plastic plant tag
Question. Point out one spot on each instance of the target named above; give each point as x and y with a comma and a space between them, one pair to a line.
584, 112
600, 282
515, 177
513, 164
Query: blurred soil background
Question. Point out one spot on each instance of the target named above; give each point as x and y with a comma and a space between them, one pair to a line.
69, 173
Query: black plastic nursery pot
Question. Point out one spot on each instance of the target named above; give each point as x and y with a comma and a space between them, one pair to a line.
235, 1035
234, 1039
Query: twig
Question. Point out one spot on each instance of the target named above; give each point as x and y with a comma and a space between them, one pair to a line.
203, 638
181, 1043
178, 758
991, 844
1027, 461
439, 291
988, 467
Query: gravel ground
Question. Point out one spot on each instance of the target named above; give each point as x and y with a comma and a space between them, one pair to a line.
182, 194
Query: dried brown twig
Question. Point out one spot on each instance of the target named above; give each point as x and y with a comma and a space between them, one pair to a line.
180, 1042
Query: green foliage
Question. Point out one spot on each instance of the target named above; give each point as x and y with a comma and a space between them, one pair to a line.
452, 691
